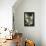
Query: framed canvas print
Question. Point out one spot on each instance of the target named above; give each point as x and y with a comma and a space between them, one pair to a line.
28, 18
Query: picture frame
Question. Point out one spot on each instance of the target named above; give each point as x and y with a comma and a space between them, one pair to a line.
29, 18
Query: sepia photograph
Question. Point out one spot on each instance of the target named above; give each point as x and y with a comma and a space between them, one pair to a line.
22, 22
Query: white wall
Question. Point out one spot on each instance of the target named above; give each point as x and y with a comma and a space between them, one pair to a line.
33, 33
43, 22
6, 13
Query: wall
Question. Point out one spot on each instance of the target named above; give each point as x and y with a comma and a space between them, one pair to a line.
6, 13
32, 33
43, 22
